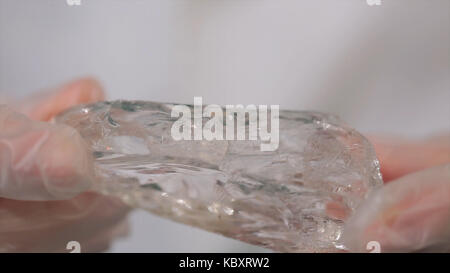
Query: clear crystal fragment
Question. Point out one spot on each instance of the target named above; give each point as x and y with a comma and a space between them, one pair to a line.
294, 199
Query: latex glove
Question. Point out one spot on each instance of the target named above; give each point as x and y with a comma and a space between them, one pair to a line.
412, 211
40, 161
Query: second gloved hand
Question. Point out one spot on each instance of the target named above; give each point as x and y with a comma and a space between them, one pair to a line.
411, 213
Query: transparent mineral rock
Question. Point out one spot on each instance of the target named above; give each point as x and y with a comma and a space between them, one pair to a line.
294, 199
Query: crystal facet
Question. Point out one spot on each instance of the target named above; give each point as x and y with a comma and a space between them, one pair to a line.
293, 199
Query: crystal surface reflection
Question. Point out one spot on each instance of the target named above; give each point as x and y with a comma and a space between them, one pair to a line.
294, 199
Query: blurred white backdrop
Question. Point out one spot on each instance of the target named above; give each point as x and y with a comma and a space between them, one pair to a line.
383, 69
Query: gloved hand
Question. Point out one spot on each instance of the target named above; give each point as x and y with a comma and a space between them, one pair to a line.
412, 211
43, 169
